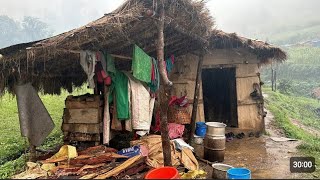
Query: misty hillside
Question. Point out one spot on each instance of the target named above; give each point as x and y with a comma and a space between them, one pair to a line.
277, 21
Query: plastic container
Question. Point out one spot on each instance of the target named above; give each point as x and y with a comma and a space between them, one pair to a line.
220, 170
201, 129
239, 173
163, 173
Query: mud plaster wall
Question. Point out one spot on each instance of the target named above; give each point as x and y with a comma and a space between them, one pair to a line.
247, 73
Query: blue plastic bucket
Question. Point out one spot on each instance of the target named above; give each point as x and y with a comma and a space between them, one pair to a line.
239, 173
201, 129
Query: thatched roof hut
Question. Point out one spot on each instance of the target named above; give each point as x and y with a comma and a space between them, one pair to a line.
53, 63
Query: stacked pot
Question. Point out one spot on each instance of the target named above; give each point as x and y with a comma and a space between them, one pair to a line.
215, 142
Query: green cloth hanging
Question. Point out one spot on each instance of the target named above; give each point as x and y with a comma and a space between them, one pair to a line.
122, 98
141, 65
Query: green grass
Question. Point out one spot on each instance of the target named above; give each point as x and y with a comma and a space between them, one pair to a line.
285, 108
12, 145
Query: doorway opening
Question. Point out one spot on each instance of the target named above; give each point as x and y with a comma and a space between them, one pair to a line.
220, 95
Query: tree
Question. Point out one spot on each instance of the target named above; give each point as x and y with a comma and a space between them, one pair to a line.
34, 29
9, 31
14, 32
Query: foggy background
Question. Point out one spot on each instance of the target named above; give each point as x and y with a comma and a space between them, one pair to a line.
268, 20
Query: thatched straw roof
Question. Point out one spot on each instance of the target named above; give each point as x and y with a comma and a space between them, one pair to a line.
264, 51
54, 62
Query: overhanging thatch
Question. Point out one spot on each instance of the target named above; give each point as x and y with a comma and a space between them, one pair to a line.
52, 63
264, 51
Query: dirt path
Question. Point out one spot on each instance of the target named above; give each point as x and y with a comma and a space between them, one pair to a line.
263, 156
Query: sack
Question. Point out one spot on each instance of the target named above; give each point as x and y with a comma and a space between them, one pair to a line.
178, 115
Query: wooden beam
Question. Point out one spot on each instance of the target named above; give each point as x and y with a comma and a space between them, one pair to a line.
166, 145
196, 98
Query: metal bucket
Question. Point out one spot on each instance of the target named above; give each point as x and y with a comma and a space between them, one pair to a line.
216, 129
215, 142
213, 155
220, 170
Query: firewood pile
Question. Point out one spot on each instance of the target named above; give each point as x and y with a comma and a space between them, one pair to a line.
101, 162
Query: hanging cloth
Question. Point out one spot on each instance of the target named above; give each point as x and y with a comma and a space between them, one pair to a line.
155, 77
88, 62
142, 105
120, 82
169, 64
141, 65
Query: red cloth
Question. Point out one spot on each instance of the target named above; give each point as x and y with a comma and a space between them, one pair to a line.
102, 76
183, 101
175, 130
153, 74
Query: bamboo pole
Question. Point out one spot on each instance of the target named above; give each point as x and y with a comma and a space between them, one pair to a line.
163, 99
196, 98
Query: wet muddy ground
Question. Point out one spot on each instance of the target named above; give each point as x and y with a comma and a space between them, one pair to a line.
263, 156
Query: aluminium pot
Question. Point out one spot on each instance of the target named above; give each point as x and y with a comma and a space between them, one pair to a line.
220, 170
215, 129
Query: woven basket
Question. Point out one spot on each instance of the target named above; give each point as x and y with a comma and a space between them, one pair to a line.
178, 115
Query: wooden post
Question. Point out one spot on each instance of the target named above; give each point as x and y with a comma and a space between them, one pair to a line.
32, 152
196, 98
106, 117
272, 76
163, 98
275, 79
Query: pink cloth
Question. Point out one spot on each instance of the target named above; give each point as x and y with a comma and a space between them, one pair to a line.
175, 130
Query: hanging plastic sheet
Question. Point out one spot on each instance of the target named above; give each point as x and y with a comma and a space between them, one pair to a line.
35, 121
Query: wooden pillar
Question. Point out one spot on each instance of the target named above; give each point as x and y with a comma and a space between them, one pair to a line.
275, 80
196, 97
106, 117
163, 95
272, 76
32, 152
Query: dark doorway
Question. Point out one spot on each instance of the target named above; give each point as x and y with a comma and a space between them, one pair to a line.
220, 95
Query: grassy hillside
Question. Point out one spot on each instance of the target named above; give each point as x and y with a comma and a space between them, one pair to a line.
304, 110
298, 35
300, 74
13, 146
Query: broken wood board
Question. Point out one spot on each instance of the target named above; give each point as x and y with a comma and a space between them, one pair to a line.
117, 170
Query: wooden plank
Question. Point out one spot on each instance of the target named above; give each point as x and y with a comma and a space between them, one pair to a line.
82, 128
247, 70
74, 104
82, 116
250, 102
69, 136
245, 87
249, 118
